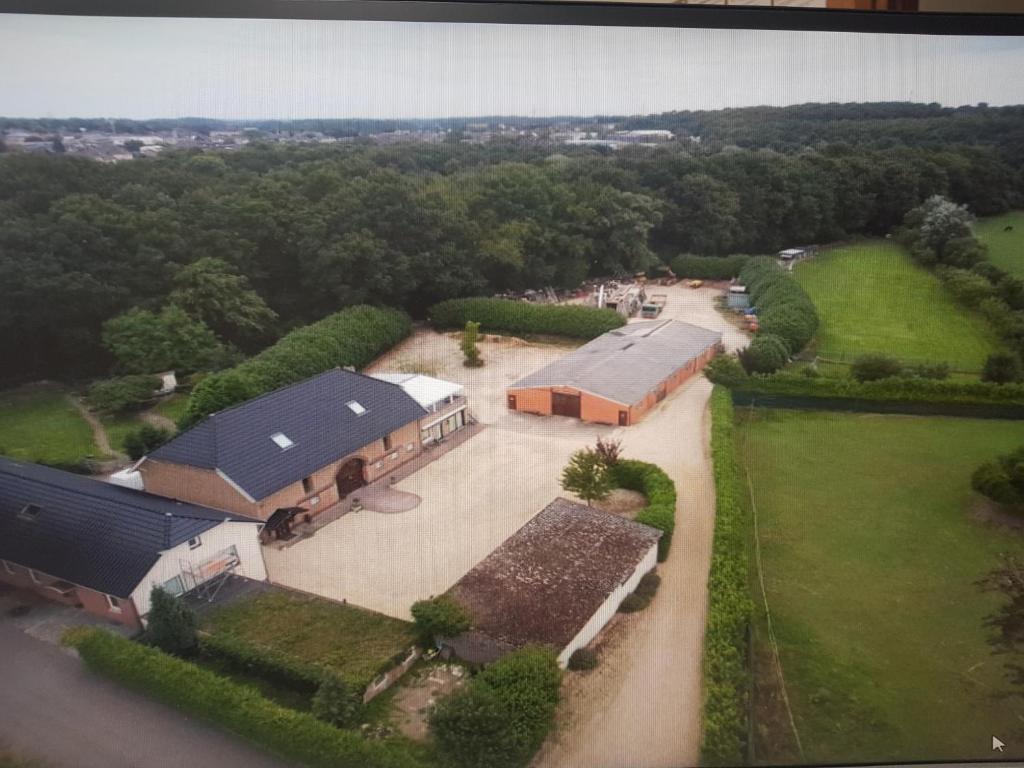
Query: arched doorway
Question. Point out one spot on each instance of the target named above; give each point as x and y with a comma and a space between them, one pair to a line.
350, 477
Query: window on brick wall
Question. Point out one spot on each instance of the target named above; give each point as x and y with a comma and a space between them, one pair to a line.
114, 603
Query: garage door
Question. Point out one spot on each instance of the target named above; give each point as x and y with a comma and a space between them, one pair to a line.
565, 405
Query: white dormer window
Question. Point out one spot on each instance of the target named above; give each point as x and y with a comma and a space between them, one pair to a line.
355, 407
282, 441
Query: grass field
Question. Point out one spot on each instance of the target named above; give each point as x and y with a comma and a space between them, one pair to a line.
871, 554
37, 423
1005, 249
873, 298
172, 407
352, 641
118, 426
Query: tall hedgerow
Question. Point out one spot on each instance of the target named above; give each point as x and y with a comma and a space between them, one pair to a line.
784, 309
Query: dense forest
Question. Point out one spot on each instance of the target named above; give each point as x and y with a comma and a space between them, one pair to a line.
302, 231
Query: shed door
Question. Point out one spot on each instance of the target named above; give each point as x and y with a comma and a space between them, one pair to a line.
565, 405
623, 418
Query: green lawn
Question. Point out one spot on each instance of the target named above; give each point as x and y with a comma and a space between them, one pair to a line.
354, 642
871, 555
118, 426
172, 407
37, 423
872, 298
1005, 249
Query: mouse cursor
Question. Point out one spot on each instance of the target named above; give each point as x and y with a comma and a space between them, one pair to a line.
997, 744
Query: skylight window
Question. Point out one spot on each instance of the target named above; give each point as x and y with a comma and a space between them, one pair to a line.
356, 408
282, 441
30, 512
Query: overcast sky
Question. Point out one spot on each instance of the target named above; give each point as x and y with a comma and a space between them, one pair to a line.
248, 69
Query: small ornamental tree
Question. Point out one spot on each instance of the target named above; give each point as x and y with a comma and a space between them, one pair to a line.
609, 450
469, 338
172, 624
1002, 368
873, 367
336, 703
586, 475
146, 438
439, 617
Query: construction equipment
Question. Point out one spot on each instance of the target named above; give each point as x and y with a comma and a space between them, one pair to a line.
654, 305
694, 283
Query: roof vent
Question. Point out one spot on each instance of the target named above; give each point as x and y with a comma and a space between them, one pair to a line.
30, 512
282, 441
356, 408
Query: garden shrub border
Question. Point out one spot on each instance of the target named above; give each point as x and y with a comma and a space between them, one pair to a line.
660, 491
727, 675
297, 736
523, 318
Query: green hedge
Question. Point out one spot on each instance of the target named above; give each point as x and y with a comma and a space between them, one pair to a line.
353, 337
296, 736
652, 482
784, 308
268, 663
709, 267
522, 317
727, 676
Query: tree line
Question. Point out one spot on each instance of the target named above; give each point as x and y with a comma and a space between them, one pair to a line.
91, 252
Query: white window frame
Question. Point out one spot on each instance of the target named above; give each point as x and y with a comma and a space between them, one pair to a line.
113, 604
282, 441
198, 542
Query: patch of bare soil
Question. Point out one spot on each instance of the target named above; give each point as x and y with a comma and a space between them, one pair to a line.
623, 502
988, 512
412, 704
773, 735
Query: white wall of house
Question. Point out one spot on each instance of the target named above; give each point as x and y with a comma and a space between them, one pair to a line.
244, 537
608, 608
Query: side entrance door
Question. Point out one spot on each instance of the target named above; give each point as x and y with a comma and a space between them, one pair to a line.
565, 405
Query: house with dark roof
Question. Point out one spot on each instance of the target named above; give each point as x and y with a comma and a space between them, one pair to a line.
619, 376
557, 581
305, 447
102, 547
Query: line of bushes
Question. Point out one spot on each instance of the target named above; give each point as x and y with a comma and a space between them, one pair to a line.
727, 676
709, 267
352, 337
522, 317
296, 736
653, 483
787, 318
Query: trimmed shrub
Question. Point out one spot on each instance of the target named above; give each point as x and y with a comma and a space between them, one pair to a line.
937, 371
279, 668
440, 617
353, 337
633, 603
239, 709
727, 678
522, 317
648, 586
336, 703
786, 311
725, 369
503, 715
172, 624
582, 659
968, 288
874, 366
469, 349
766, 354
652, 482
709, 267
146, 438
127, 393
992, 480
1002, 368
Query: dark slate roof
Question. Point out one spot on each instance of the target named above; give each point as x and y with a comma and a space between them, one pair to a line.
549, 578
626, 364
91, 533
313, 414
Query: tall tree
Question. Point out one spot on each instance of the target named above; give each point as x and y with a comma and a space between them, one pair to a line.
211, 291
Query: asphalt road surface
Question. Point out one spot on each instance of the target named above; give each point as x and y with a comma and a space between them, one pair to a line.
55, 710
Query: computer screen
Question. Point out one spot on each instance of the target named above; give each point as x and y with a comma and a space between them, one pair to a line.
493, 386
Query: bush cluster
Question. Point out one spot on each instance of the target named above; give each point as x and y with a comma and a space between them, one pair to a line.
439, 617
633, 603
1003, 368
297, 736
272, 665
582, 659
352, 337
145, 439
503, 715
727, 677
875, 367
766, 353
785, 310
653, 483
523, 318
709, 267
1002, 480
127, 393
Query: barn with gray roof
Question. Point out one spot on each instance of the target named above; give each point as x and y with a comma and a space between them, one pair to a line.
619, 376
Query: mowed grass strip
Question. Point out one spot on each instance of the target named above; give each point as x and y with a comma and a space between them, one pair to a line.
871, 556
1005, 247
38, 424
352, 641
873, 298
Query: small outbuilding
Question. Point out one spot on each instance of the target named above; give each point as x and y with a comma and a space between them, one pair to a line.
556, 582
619, 376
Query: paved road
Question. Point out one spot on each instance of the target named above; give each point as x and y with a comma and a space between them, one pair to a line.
57, 711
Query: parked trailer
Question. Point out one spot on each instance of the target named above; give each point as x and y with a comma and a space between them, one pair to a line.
654, 305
